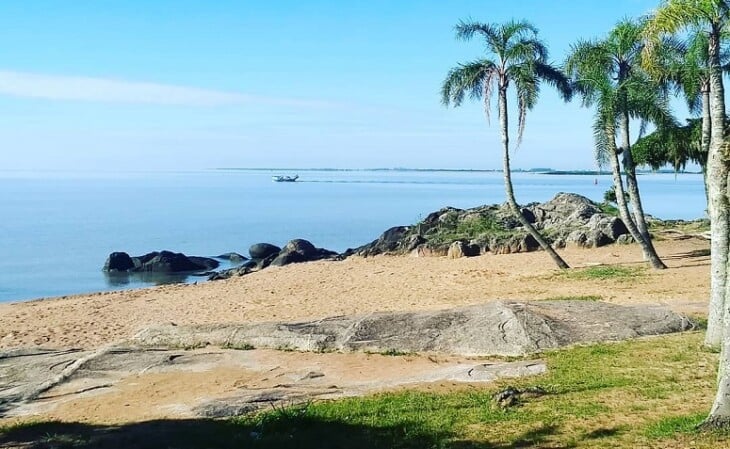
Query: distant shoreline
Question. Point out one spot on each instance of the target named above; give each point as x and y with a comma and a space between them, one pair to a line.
537, 171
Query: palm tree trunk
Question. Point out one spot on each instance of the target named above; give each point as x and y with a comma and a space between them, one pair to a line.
508, 184
714, 172
720, 412
633, 188
706, 137
623, 207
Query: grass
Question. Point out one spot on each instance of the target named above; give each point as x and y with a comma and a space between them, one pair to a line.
645, 393
603, 273
451, 229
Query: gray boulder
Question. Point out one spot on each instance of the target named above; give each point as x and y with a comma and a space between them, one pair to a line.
300, 250
461, 249
263, 250
392, 240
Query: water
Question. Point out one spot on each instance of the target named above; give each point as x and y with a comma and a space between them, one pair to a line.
58, 227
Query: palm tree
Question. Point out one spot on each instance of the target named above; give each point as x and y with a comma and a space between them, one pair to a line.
514, 56
711, 17
606, 76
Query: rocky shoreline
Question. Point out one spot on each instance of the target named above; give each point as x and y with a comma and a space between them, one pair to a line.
567, 219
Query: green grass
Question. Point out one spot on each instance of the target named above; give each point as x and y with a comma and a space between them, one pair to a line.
668, 427
603, 272
451, 229
645, 393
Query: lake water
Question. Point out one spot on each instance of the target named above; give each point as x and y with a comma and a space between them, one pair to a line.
58, 227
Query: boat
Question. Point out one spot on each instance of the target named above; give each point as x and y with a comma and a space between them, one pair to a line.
281, 178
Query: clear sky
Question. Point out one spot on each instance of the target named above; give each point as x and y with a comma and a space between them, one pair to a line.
178, 84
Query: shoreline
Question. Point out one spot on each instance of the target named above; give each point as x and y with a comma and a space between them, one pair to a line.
359, 285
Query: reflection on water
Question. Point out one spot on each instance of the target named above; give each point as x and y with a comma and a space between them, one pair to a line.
124, 279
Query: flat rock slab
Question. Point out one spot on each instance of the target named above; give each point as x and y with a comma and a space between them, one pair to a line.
506, 328
118, 384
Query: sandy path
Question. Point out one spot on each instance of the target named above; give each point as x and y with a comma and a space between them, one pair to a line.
357, 285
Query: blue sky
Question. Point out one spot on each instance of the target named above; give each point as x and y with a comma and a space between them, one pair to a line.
185, 84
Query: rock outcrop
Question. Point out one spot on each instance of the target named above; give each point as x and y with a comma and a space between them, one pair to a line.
508, 328
567, 219
158, 262
264, 255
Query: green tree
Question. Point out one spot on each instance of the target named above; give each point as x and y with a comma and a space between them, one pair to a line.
712, 18
607, 76
514, 56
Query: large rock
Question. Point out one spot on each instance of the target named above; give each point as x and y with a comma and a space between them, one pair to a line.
566, 219
263, 250
170, 262
509, 328
392, 240
300, 250
118, 261
158, 262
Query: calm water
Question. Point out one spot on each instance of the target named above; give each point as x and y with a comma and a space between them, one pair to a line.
58, 227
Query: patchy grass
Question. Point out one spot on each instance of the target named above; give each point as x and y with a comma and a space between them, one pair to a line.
645, 393
603, 273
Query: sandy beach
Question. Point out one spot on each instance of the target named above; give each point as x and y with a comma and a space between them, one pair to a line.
359, 285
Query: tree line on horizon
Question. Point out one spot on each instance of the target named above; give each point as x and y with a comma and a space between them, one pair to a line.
627, 76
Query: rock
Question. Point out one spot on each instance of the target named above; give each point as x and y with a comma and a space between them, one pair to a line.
118, 261
286, 258
263, 250
232, 257
625, 239
460, 249
390, 241
506, 328
159, 262
207, 262
611, 227
300, 250
263, 263
302, 247
430, 250
566, 219
169, 262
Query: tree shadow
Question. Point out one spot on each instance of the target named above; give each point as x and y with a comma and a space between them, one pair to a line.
288, 432
300, 432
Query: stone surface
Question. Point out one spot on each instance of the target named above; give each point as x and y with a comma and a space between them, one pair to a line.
496, 328
263, 250
566, 219
118, 261
33, 381
158, 262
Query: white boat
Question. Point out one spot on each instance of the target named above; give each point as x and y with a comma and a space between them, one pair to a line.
281, 178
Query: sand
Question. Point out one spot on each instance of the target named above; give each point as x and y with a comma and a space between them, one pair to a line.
359, 285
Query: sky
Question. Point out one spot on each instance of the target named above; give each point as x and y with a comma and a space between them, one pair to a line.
183, 84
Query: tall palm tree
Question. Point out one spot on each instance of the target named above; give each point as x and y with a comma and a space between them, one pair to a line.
515, 56
606, 75
712, 17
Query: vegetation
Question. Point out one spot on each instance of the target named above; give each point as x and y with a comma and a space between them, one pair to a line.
607, 76
515, 56
643, 393
604, 272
